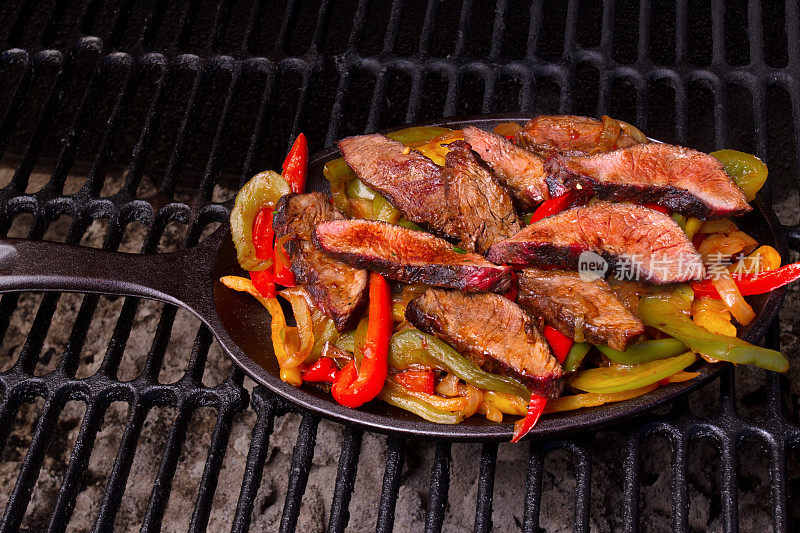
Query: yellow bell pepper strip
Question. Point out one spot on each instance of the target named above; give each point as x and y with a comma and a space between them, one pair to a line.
396, 395
749, 284
645, 351
679, 377
575, 356
746, 170
431, 352
355, 387
262, 191
618, 378
662, 314
535, 409
289, 365
559, 343
593, 399
295, 166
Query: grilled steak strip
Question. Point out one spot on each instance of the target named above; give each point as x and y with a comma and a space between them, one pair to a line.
493, 332
408, 256
583, 310
684, 180
522, 171
481, 210
572, 135
636, 238
339, 290
410, 181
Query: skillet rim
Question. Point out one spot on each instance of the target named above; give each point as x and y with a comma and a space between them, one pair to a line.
549, 425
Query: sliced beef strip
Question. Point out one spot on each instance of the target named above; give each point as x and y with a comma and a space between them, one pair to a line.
481, 210
408, 256
583, 310
571, 135
493, 332
684, 180
410, 181
339, 290
522, 171
631, 237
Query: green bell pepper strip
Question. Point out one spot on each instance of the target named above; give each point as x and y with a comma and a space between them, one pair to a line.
645, 351
746, 170
621, 378
394, 394
346, 341
417, 134
662, 314
575, 356
357, 189
263, 190
410, 225
339, 174
448, 359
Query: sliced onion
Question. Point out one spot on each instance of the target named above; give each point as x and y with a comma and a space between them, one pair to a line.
633, 131
473, 396
734, 301
608, 137
448, 385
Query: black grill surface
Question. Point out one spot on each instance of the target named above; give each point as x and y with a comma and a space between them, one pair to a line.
127, 124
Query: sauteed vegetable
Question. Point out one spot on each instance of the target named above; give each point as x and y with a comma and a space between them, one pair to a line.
567, 329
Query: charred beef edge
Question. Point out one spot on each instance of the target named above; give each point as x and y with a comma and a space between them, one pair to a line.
548, 385
561, 179
293, 248
493, 280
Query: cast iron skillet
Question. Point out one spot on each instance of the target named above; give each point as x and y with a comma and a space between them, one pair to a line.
189, 279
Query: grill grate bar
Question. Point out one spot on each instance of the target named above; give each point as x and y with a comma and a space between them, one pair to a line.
266, 409
632, 465
298, 473
439, 487
483, 508
533, 488
345, 479
121, 469
581, 452
30, 466
391, 483
159, 495
78, 463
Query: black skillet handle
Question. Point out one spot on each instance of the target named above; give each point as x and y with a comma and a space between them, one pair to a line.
180, 278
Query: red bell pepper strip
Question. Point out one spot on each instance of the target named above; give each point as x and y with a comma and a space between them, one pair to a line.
322, 371
295, 169
552, 206
559, 343
295, 166
283, 272
535, 410
263, 235
355, 387
417, 380
750, 284
513, 292
656, 207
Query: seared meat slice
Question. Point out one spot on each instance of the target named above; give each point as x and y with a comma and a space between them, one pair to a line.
522, 171
583, 310
408, 256
684, 180
339, 290
572, 135
493, 332
632, 237
410, 181
481, 211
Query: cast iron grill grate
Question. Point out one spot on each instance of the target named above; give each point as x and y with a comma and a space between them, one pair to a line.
165, 108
